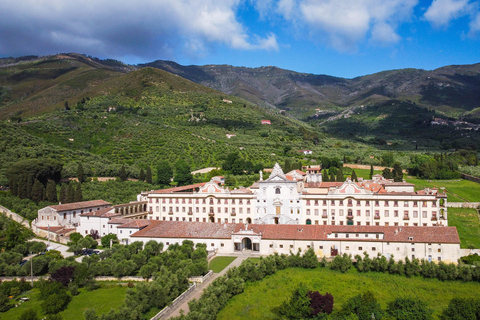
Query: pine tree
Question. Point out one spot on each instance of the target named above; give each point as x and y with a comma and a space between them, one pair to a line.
340, 177
141, 177
78, 193
80, 173
371, 171
354, 176
37, 191
70, 193
123, 174
63, 193
148, 175
51, 194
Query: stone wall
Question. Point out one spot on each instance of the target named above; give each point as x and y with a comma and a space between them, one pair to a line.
165, 312
15, 216
474, 205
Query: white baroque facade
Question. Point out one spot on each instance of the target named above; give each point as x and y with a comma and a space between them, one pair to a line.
302, 199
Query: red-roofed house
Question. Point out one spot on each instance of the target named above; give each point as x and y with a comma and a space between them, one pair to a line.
67, 214
431, 243
266, 122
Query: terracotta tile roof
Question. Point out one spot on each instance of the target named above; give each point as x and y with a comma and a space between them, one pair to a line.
79, 205
184, 229
135, 223
180, 189
181, 229
118, 221
98, 213
323, 184
58, 230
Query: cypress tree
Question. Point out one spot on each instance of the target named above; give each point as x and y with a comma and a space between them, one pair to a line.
371, 171
332, 177
148, 175
37, 191
63, 193
123, 174
29, 184
354, 176
340, 177
13, 186
141, 177
325, 176
51, 193
70, 193
78, 193
80, 173
397, 172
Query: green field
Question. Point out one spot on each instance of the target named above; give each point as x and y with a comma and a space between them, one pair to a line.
468, 226
258, 299
219, 263
102, 300
457, 190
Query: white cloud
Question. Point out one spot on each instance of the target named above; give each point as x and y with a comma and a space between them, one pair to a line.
441, 12
144, 29
343, 24
475, 25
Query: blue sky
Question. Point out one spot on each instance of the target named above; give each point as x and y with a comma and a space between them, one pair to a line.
344, 38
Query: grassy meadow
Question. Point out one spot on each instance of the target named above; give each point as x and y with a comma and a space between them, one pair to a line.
457, 190
468, 226
219, 263
102, 300
258, 299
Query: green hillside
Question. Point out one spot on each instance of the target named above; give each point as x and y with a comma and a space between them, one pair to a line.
138, 119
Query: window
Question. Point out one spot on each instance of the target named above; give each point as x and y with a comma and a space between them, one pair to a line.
439, 249
308, 202
222, 245
367, 213
359, 203
367, 203
333, 202
341, 202
395, 213
347, 248
377, 203
320, 247
405, 204
212, 245
281, 246
291, 246
413, 249
308, 212
386, 203
386, 213
415, 214
360, 248
374, 249
359, 213
424, 214
316, 212
341, 213
336, 235
277, 190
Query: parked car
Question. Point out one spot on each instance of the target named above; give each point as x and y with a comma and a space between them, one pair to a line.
23, 262
89, 252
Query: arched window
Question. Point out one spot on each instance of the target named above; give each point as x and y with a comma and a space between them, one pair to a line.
309, 221
277, 190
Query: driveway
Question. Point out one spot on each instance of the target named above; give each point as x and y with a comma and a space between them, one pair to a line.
56, 246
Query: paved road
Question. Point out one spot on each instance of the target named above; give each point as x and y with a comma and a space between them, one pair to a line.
56, 246
195, 294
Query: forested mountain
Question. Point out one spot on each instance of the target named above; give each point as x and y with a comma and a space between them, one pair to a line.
106, 114
63, 108
451, 90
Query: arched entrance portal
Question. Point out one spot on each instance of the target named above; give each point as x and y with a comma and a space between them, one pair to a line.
249, 220
247, 243
212, 219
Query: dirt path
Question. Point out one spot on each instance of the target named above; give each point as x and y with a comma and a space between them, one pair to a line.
195, 294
